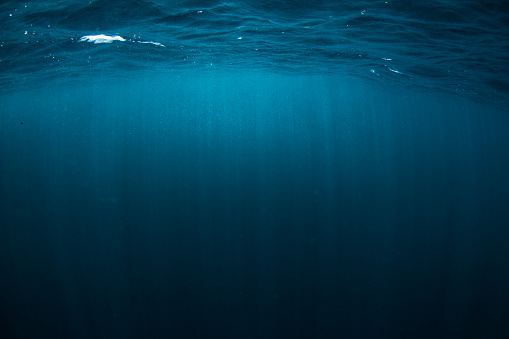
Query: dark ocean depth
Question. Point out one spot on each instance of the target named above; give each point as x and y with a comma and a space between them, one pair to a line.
254, 169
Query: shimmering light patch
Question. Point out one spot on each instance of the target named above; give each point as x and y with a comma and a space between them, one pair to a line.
107, 39
395, 71
101, 38
152, 42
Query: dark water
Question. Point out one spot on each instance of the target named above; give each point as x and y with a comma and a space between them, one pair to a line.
282, 185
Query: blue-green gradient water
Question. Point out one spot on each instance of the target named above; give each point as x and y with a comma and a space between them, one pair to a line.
257, 169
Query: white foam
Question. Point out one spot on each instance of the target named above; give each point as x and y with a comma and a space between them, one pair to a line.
151, 42
101, 38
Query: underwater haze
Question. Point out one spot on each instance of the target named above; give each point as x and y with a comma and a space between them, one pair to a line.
254, 169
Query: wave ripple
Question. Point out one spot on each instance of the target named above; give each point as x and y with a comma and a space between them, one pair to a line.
457, 46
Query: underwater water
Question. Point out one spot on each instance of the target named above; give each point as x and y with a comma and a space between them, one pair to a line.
257, 169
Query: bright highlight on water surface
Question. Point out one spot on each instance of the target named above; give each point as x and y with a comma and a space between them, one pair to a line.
108, 39
101, 38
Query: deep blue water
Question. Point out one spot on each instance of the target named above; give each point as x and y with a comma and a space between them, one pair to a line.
257, 169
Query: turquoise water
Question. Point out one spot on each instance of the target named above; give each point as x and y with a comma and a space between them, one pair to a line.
459, 47
282, 185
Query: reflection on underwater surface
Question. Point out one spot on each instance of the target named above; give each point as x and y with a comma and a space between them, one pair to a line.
449, 46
